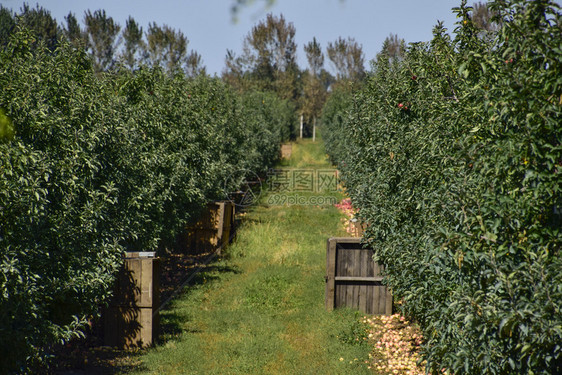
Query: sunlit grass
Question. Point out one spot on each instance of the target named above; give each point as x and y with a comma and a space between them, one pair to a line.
306, 153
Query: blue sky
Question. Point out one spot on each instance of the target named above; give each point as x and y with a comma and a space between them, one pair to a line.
211, 31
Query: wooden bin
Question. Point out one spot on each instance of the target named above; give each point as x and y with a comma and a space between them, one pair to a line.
286, 150
353, 278
132, 319
212, 231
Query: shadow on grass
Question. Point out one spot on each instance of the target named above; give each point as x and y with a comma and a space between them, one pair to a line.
99, 361
171, 322
90, 356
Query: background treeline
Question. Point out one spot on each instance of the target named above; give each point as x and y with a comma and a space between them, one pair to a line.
95, 163
267, 62
108, 43
453, 156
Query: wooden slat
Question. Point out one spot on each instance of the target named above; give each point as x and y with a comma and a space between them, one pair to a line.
366, 279
354, 240
378, 292
377, 295
339, 296
348, 296
363, 297
370, 301
363, 272
388, 307
341, 264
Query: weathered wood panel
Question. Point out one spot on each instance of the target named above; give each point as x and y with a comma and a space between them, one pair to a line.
211, 232
132, 320
353, 278
286, 150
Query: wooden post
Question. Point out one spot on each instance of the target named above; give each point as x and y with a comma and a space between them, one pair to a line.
301, 124
330, 275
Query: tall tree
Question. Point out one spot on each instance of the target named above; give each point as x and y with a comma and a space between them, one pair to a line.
102, 34
394, 47
42, 24
134, 43
166, 47
268, 59
274, 42
236, 72
194, 65
314, 56
177, 48
316, 59
483, 17
347, 57
73, 32
314, 90
156, 45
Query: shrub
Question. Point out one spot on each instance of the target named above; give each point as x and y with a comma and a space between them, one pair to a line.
334, 118
94, 165
59, 247
454, 162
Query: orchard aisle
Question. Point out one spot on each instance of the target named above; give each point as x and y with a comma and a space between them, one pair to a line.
260, 309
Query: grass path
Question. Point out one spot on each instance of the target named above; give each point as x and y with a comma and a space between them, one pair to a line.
260, 309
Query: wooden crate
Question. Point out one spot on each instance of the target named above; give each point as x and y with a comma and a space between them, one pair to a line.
132, 318
353, 278
286, 150
211, 232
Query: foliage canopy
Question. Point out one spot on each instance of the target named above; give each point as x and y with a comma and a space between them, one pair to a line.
453, 156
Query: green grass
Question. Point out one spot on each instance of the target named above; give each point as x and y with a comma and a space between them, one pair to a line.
306, 153
260, 310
